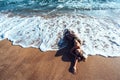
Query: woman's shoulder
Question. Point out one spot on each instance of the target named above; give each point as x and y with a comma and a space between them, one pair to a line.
77, 39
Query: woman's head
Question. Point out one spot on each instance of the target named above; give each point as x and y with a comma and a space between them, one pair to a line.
69, 34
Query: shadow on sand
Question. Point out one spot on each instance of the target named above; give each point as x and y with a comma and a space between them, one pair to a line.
66, 56
65, 52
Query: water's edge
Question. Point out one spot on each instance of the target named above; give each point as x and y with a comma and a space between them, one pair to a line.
101, 35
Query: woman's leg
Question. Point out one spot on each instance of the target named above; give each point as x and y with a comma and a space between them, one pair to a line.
75, 65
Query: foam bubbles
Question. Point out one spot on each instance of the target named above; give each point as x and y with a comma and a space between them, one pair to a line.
101, 35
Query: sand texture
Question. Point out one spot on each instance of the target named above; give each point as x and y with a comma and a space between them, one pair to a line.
17, 63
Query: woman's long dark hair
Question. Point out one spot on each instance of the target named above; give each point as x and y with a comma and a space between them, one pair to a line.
68, 32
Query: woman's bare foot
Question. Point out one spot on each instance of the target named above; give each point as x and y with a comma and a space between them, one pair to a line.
74, 70
84, 59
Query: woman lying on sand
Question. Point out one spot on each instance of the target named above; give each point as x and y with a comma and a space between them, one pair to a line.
75, 50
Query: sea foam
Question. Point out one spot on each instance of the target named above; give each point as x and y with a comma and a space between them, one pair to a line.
101, 35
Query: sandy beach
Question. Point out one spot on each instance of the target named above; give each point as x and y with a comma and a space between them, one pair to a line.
17, 63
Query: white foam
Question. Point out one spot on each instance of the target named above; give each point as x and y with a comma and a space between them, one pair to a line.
101, 35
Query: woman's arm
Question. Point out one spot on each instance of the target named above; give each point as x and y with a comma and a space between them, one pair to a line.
71, 51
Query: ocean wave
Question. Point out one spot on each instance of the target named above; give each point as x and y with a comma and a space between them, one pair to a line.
59, 4
101, 35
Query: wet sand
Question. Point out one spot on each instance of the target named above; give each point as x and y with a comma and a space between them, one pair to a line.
17, 63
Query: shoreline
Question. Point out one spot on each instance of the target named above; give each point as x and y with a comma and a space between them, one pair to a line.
17, 63
37, 32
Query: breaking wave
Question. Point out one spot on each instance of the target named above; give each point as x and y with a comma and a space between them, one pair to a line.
41, 23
